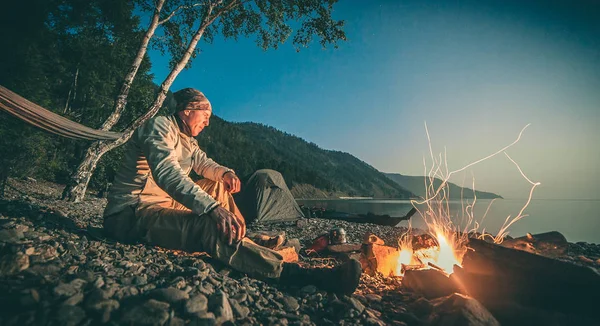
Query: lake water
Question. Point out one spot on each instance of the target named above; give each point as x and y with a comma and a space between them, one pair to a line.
577, 220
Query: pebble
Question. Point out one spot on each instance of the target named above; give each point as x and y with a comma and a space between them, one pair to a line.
196, 304
11, 236
65, 275
70, 315
373, 297
151, 312
309, 289
290, 304
11, 264
170, 295
218, 304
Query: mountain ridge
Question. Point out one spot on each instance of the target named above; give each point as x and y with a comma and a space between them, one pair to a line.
309, 171
416, 184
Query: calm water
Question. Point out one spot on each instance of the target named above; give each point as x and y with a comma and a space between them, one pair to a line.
577, 220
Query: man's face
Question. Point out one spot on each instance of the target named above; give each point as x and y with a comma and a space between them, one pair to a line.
196, 119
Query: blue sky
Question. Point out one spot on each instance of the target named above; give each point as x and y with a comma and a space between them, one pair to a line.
476, 71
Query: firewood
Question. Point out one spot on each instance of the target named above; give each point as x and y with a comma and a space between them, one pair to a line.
495, 275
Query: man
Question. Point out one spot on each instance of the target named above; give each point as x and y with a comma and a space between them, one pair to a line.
154, 200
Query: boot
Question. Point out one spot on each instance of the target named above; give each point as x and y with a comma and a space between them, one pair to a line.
342, 279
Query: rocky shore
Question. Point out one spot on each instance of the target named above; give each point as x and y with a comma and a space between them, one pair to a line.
57, 269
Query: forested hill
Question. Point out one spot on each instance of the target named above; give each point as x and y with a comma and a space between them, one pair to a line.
417, 186
309, 171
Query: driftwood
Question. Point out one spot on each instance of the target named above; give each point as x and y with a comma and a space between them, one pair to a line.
549, 244
496, 275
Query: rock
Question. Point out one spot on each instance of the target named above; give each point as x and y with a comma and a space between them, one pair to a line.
241, 297
290, 304
373, 297
69, 289
74, 299
176, 322
206, 319
301, 223
309, 289
374, 321
105, 308
356, 304
11, 236
294, 243
11, 264
44, 270
151, 312
458, 309
99, 282
218, 304
197, 304
421, 307
70, 315
29, 297
140, 280
239, 310
170, 295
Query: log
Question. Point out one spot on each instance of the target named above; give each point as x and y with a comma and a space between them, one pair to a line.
379, 258
431, 283
495, 275
549, 244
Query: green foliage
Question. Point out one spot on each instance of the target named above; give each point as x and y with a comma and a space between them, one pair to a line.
269, 22
69, 56
247, 147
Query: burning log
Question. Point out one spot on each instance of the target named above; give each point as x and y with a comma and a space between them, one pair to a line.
379, 258
496, 275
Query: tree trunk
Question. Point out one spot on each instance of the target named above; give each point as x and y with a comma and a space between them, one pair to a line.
75, 191
137, 61
79, 181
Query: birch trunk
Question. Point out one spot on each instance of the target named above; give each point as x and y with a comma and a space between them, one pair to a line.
121, 101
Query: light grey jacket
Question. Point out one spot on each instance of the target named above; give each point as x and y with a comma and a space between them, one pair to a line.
155, 170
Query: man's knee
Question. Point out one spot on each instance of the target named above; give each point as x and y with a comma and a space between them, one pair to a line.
215, 189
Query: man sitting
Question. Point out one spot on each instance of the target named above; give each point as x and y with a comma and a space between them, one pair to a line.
154, 200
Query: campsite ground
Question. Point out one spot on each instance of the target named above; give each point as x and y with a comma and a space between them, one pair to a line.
56, 269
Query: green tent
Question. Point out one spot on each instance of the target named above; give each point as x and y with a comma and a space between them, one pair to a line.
265, 198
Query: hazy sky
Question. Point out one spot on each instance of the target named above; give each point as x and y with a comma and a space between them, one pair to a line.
476, 71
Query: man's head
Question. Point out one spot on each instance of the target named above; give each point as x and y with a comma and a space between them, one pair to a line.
194, 109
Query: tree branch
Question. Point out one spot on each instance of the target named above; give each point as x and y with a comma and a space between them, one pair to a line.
178, 9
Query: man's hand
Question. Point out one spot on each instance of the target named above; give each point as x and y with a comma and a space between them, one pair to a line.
231, 229
232, 182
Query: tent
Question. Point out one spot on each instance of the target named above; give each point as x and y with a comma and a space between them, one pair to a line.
265, 198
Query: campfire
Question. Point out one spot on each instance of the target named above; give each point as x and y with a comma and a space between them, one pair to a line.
448, 243
456, 257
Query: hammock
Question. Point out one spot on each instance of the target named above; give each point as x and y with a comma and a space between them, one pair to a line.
49, 121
